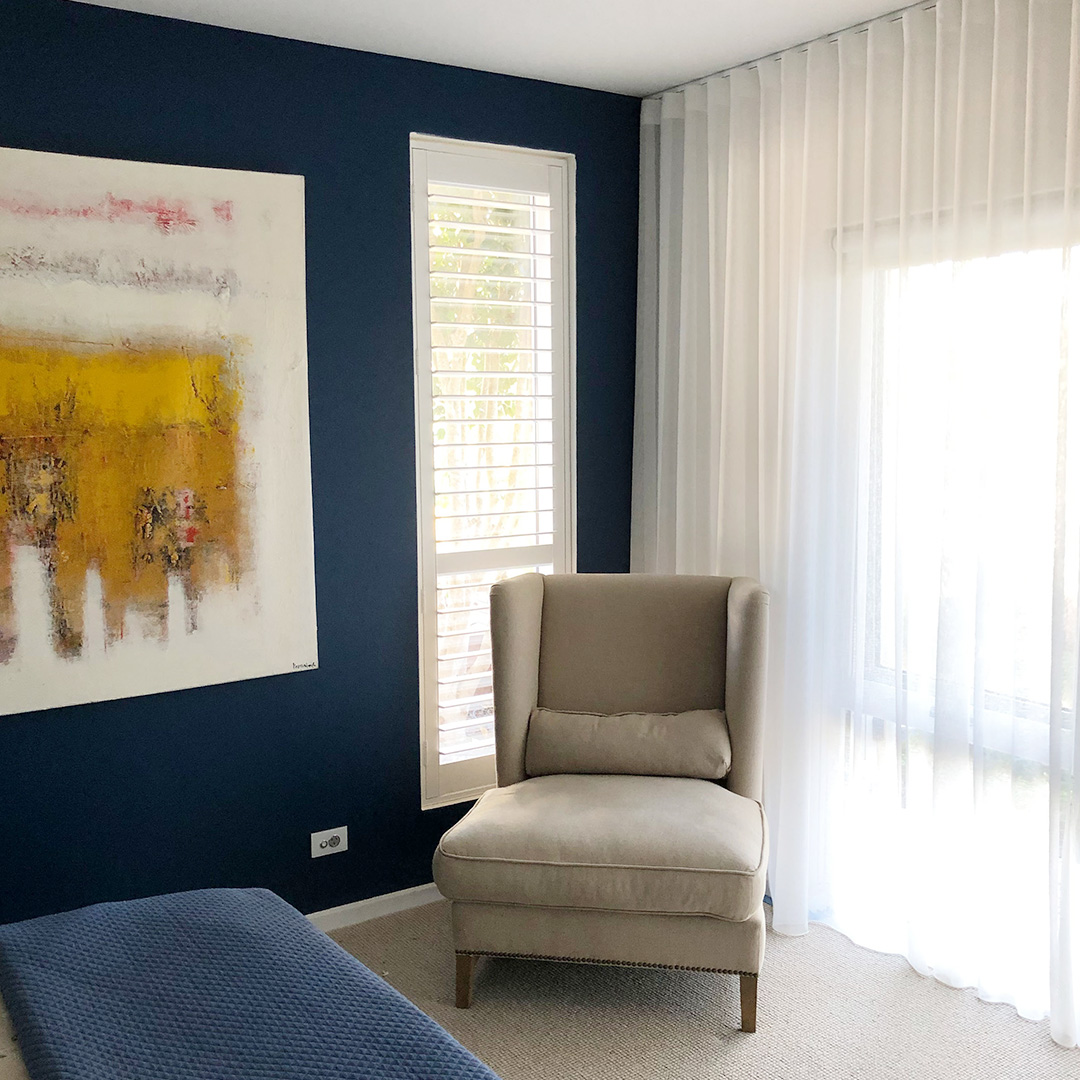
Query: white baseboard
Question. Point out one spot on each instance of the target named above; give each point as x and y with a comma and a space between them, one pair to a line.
374, 907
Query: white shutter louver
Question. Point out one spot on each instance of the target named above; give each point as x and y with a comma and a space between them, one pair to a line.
494, 423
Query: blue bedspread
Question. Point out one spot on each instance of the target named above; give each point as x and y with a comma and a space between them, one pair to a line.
219, 984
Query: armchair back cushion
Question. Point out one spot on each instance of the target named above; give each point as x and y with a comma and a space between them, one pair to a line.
632, 643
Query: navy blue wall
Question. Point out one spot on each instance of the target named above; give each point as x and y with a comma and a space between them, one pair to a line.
221, 785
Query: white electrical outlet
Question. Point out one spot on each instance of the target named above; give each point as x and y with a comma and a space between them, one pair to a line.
329, 841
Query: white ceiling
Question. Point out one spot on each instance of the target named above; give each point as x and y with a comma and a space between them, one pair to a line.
629, 46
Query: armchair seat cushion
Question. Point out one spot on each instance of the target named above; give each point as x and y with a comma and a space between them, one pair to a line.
615, 843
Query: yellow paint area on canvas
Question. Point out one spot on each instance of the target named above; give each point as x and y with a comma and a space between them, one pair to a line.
123, 461
43, 390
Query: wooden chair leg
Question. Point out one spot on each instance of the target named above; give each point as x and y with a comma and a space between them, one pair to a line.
466, 965
748, 1000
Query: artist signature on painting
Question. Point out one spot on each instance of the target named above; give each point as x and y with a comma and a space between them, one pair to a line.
304, 667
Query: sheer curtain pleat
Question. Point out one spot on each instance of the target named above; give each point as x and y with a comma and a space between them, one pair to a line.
859, 381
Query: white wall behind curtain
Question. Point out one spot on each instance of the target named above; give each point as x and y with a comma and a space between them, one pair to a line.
859, 381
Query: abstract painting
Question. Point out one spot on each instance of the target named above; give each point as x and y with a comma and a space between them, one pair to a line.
155, 479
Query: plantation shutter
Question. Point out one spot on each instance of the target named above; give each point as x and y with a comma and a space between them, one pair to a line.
491, 249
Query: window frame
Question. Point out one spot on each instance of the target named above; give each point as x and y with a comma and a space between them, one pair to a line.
443, 784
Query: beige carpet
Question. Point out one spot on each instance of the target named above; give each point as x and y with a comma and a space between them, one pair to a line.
11, 1067
827, 1010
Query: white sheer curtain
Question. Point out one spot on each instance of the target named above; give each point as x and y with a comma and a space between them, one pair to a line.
859, 381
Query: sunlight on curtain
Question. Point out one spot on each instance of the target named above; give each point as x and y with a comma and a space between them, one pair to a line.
859, 381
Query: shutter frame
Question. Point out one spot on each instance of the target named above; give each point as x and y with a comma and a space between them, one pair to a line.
453, 164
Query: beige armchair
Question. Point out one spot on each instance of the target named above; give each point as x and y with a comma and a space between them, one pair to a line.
627, 826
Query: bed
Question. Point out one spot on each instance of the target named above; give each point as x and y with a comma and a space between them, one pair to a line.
217, 984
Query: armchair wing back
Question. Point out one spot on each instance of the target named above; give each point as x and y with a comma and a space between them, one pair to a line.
630, 643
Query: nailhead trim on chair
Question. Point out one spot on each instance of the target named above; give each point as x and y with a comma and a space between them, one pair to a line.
607, 963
